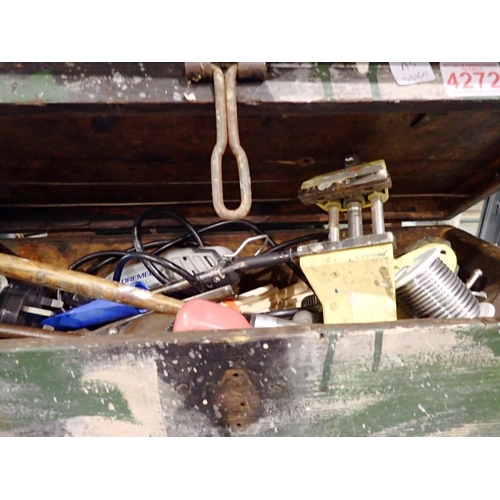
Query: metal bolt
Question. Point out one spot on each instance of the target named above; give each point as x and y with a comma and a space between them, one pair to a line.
216, 279
113, 331
349, 159
182, 389
473, 278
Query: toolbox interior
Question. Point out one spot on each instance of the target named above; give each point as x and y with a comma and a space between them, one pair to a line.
65, 167
81, 157
472, 253
83, 173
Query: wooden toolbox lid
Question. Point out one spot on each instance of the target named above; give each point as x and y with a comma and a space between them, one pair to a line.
85, 145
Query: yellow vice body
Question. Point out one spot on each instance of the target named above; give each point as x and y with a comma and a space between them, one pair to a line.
354, 285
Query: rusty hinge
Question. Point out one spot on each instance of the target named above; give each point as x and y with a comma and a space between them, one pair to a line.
226, 116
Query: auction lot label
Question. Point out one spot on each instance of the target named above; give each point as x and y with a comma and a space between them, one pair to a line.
471, 79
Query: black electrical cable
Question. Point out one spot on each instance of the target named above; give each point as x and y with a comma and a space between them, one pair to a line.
137, 236
111, 256
110, 260
211, 227
145, 257
142, 257
241, 264
260, 261
162, 246
297, 241
249, 225
91, 256
137, 225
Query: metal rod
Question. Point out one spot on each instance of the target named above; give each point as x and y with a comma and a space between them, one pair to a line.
85, 284
234, 143
25, 332
214, 295
334, 222
221, 144
355, 219
226, 120
378, 222
473, 278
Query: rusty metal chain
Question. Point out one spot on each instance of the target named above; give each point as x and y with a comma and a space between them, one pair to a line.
226, 117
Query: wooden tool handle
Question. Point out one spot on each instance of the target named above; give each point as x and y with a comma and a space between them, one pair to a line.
85, 284
26, 332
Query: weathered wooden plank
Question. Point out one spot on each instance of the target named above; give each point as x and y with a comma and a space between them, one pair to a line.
77, 171
156, 157
107, 217
288, 83
158, 139
168, 193
414, 378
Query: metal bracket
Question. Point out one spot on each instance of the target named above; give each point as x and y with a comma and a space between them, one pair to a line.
237, 400
235, 254
360, 241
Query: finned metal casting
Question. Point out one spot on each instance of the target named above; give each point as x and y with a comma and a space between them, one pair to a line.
429, 289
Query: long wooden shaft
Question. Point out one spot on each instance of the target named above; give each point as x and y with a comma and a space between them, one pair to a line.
23, 332
85, 284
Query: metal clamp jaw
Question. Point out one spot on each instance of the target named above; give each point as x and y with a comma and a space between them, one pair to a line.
350, 190
356, 182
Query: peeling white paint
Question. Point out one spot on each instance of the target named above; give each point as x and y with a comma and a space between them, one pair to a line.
363, 67
138, 383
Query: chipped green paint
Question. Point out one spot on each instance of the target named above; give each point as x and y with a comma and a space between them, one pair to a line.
377, 354
416, 395
327, 365
126, 83
490, 337
40, 87
43, 386
372, 78
322, 71
416, 399
324, 382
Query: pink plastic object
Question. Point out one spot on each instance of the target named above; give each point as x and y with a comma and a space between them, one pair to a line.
200, 314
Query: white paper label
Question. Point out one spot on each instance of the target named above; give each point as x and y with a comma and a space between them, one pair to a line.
471, 79
409, 73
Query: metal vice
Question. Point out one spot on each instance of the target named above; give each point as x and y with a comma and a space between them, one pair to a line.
354, 277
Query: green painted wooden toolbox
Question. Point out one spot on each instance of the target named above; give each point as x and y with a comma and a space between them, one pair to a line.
85, 148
